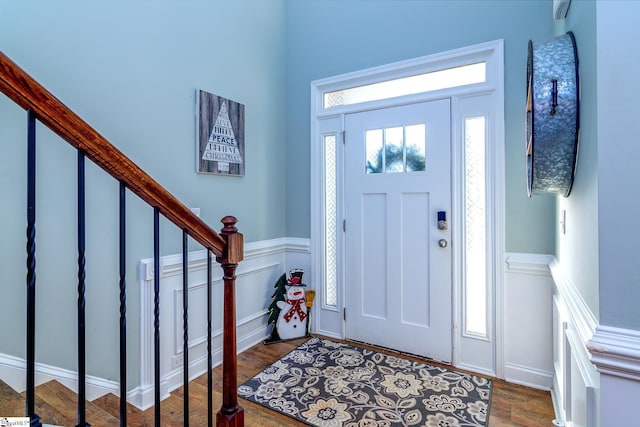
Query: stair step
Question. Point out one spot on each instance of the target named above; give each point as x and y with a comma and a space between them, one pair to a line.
11, 403
111, 403
64, 403
171, 409
197, 403
57, 405
52, 416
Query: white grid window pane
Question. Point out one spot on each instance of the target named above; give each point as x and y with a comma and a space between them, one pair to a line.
330, 222
475, 227
394, 150
415, 136
374, 163
334, 99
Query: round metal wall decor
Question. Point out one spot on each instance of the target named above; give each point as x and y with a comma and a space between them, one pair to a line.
553, 115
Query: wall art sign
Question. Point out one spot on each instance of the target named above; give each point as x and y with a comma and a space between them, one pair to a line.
219, 135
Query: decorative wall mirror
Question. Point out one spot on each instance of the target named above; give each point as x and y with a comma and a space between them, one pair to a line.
553, 115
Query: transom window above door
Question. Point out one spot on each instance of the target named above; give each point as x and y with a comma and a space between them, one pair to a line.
395, 149
420, 83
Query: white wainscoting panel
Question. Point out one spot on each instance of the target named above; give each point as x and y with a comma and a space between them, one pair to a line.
263, 263
576, 382
528, 349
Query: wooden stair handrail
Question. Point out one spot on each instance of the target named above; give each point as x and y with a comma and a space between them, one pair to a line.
25, 91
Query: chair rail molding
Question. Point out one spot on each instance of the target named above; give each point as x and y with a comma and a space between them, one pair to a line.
583, 319
616, 351
528, 263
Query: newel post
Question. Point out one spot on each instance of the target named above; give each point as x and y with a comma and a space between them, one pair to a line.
231, 414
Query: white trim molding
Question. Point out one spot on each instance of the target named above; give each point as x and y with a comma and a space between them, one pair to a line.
485, 98
525, 263
576, 381
616, 351
527, 376
263, 263
13, 373
582, 317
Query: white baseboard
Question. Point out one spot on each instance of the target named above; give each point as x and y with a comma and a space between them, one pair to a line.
329, 334
526, 376
475, 369
13, 372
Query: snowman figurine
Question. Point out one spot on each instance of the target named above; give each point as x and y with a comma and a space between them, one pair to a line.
292, 320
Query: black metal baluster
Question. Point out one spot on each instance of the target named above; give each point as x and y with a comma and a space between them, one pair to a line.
31, 269
156, 312
81, 296
209, 356
185, 325
123, 308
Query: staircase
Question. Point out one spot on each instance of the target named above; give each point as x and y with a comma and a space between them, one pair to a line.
55, 403
57, 406
52, 403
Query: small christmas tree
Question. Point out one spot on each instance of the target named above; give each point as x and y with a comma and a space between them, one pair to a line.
279, 294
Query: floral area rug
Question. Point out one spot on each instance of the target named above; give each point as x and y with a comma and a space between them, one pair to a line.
328, 384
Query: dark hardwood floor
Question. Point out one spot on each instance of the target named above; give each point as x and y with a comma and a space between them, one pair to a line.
511, 405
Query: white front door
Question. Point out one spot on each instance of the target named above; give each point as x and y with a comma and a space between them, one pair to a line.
398, 274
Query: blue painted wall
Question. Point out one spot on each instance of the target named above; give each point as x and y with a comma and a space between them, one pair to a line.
333, 37
131, 70
618, 172
600, 248
577, 249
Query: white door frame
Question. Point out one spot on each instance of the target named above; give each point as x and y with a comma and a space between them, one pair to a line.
328, 320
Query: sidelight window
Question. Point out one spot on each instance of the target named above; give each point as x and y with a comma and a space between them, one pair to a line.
475, 224
330, 221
